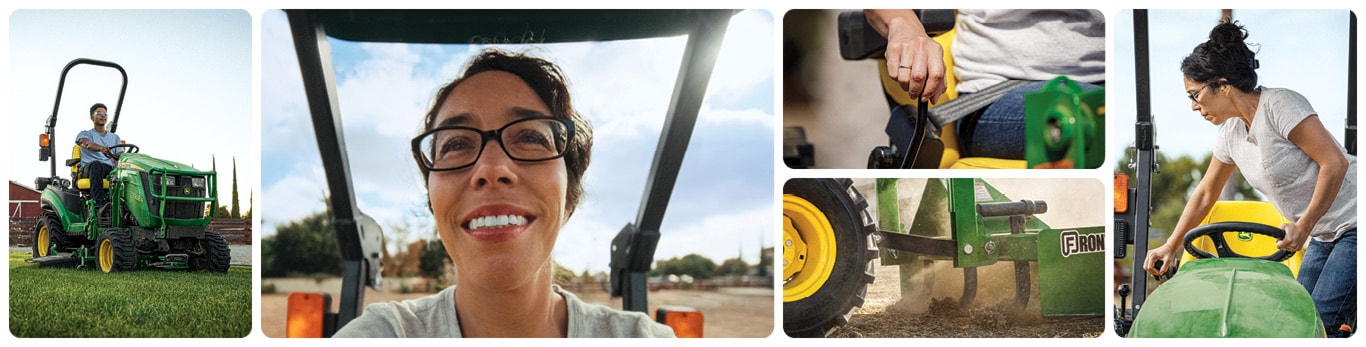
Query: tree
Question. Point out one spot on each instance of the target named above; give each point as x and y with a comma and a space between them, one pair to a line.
251, 205
236, 205
562, 275
693, 265
733, 266
433, 260
303, 247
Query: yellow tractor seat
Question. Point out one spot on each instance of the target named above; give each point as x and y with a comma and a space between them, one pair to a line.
1260, 212
952, 158
82, 182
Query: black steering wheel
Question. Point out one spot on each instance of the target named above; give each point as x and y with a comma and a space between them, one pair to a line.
1215, 231
127, 147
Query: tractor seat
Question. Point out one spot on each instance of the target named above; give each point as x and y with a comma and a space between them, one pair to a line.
78, 175
940, 24
1259, 212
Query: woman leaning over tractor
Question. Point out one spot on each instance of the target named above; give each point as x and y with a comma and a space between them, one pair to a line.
1275, 137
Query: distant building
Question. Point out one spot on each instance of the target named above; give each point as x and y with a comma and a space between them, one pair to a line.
23, 202
23, 211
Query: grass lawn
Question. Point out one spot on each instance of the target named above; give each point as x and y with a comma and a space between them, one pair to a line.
53, 302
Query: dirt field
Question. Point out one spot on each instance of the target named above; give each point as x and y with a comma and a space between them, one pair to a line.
729, 312
993, 314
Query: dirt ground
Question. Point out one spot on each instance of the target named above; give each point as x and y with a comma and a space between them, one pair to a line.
992, 315
728, 312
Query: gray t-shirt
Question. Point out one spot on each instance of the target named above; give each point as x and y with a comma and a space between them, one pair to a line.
1037, 45
1280, 169
434, 316
108, 139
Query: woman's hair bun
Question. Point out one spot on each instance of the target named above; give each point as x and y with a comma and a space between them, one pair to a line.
1227, 34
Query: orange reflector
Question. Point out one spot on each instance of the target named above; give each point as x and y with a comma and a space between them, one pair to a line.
686, 321
1121, 193
306, 314
43, 140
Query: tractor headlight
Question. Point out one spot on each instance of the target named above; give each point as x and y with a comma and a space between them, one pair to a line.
197, 182
168, 180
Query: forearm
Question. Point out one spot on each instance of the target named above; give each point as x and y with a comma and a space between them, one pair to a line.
91, 145
885, 20
1201, 201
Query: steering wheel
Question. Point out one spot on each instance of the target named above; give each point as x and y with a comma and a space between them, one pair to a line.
127, 147
1215, 231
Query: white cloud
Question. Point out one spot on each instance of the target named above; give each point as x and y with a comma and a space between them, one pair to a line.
746, 56
298, 194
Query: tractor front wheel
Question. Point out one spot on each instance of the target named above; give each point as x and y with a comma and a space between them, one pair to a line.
827, 254
216, 254
115, 251
48, 235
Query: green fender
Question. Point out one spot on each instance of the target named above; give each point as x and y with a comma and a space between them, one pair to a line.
1229, 297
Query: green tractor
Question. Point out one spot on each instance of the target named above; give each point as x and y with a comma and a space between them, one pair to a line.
831, 235
157, 217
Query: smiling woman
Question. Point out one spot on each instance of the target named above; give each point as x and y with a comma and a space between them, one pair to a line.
499, 209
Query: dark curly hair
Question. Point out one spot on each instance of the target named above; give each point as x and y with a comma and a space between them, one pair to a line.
545, 78
1226, 55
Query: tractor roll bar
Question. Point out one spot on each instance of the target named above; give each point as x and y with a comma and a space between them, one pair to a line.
633, 248
358, 235
50, 128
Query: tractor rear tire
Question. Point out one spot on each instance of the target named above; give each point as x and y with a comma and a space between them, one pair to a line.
114, 251
216, 255
814, 309
48, 235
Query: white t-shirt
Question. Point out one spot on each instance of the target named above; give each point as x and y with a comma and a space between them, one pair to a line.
1036, 45
435, 316
1280, 169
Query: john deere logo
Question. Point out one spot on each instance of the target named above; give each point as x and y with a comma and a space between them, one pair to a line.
1244, 236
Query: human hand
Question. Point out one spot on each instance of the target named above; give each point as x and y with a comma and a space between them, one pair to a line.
1295, 236
1166, 254
915, 61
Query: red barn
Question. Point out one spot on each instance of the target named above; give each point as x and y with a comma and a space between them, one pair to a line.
23, 202
23, 212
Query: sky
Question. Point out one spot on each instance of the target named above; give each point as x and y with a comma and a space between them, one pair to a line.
722, 204
1303, 50
189, 87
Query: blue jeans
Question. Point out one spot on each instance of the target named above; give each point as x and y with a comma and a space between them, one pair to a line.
1329, 272
96, 172
999, 132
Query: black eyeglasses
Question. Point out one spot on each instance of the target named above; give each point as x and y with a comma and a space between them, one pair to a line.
458, 147
1196, 93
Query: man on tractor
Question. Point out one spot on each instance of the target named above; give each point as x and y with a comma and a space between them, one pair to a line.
97, 156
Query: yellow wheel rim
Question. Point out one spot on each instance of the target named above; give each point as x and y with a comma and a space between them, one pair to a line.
43, 243
106, 254
808, 248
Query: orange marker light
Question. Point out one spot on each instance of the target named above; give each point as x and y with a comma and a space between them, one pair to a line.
43, 140
686, 321
1121, 193
306, 314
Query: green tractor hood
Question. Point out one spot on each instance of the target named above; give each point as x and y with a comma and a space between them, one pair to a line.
166, 193
1229, 297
